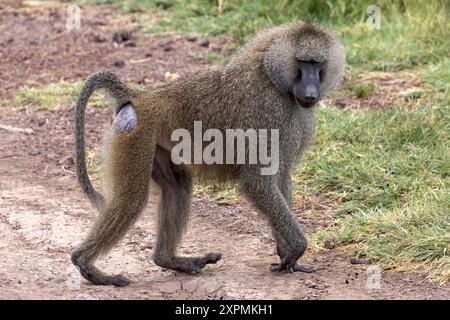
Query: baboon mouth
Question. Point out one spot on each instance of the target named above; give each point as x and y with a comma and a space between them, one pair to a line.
307, 105
303, 104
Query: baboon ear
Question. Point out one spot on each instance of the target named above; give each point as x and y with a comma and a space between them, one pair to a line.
126, 119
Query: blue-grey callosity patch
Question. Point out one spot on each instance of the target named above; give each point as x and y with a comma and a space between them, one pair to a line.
126, 119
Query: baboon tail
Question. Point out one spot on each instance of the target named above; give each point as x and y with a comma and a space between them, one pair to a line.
102, 79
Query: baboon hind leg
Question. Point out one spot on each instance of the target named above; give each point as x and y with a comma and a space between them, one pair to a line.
129, 173
174, 206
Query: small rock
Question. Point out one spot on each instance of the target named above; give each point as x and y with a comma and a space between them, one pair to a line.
204, 43
100, 22
329, 244
191, 38
310, 284
34, 153
99, 38
148, 55
359, 261
68, 162
130, 44
171, 76
122, 36
119, 63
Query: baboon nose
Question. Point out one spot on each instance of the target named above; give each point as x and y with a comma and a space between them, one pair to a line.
311, 95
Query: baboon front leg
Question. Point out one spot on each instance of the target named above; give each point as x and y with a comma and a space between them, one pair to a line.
129, 176
266, 196
174, 206
285, 186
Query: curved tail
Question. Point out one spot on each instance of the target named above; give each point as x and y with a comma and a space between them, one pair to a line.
103, 79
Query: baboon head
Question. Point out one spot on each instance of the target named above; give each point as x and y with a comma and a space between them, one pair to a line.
305, 61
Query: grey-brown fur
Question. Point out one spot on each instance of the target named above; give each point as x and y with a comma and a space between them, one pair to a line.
253, 91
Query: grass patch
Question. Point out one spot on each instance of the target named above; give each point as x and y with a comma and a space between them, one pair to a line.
389, 172
360, 90
227, 193
212, 57
438, 75
412, 33
54, 95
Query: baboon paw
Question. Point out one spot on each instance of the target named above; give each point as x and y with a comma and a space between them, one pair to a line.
189, 264
97, 277
279, 267
119, 280
212, 257
300, 268
209, 258
104, 280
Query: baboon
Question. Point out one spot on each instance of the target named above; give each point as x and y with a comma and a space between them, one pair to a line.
271, 83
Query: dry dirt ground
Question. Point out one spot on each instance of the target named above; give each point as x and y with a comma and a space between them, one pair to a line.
43, 213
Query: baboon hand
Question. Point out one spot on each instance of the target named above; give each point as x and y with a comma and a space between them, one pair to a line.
289, 262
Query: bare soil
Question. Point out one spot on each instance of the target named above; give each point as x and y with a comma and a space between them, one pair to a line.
43, 213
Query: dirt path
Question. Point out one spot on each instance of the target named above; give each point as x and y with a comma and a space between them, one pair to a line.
43, 212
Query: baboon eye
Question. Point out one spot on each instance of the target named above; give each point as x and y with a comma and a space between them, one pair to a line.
321, 75
299, 76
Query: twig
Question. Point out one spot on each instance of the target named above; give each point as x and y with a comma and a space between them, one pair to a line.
9, 156
16, 130
140, 61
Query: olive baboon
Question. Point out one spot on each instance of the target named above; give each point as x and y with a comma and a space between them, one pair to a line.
271, 83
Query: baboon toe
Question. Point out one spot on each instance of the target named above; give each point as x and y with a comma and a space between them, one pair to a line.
279, 267
212, 257
95, 276
119, 280
196, 264
188, 264
301, 268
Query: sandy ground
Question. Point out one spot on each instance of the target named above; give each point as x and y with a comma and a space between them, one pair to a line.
43, 213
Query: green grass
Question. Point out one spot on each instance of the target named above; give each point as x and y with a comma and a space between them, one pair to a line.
413, 33
360, 90
438, 75
212, 57
390, 174
54, 95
